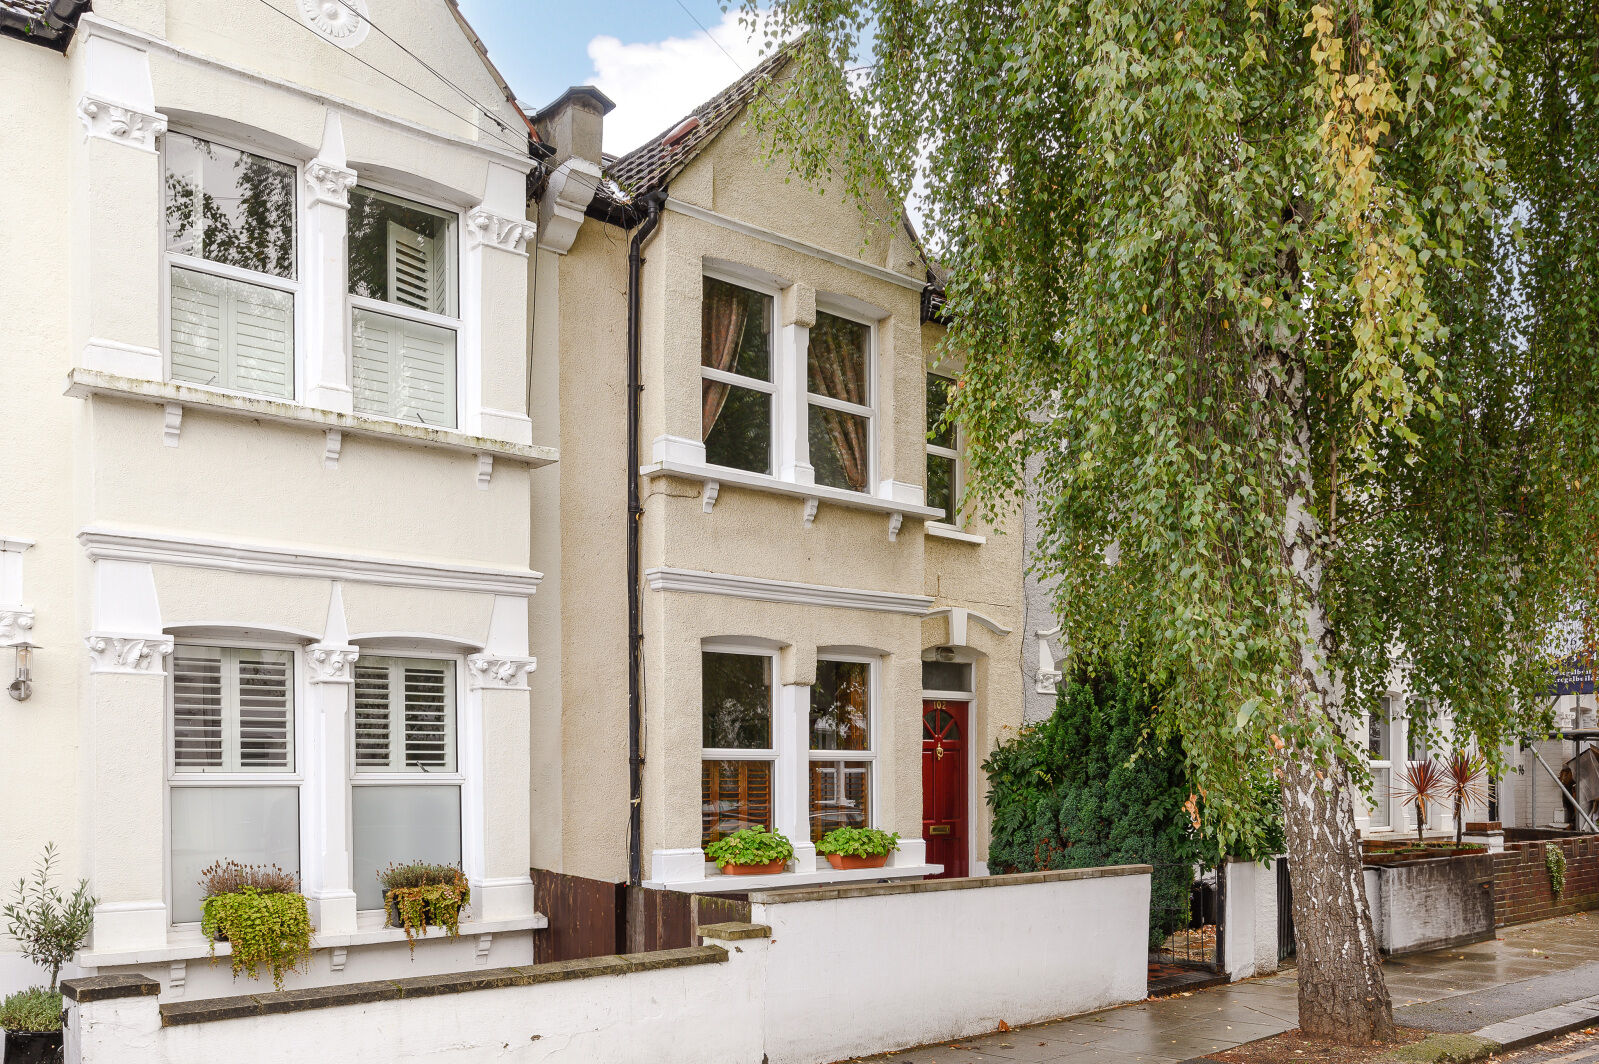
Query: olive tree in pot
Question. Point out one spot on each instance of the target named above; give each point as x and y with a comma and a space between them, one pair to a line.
49, 926
847, 848
751, 852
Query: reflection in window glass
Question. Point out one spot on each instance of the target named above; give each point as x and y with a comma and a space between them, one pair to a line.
736, 330
1377, 732
938, 434
839, 448
840, 796
737, 701
946, 676
229, 206
253, 825
838, 358
734, 795
400, 824
840, 709
402, 252
941, 484
738, 426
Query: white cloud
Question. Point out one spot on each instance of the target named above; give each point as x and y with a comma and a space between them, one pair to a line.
656, 83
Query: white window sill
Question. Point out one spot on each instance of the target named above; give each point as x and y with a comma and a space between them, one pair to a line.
715, 882
82, 383
855, 500
188, 943
940, 530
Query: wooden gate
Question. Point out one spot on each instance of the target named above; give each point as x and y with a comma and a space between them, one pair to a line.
596, 918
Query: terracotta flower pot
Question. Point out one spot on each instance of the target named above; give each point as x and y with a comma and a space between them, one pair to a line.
846, 861
770, 868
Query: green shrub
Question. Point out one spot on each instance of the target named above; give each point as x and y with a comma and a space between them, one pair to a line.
1093, 786
423, 894
35, 1009
858, 842
49, 925
750, 846
271, 930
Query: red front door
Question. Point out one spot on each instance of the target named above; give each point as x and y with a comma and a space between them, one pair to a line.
944, 785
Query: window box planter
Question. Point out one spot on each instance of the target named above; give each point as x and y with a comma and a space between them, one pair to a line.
770, 868
258, 911
751, 852
844, 862
418, 896
849, 848
33, 1047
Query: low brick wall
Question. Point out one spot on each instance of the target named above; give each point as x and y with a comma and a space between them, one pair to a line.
1522, 892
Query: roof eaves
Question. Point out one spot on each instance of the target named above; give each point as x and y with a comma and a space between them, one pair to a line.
49, 23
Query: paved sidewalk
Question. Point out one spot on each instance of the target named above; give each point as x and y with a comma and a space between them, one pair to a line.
1171, 1030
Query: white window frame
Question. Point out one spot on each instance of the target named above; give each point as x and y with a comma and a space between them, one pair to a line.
773, 388
294, 286
1384, 798
869, 755
952, 517
295, 779
456, 325
836, 309
465, 754
770, 754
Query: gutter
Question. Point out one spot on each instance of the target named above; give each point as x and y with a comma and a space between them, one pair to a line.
54, 30
635, 514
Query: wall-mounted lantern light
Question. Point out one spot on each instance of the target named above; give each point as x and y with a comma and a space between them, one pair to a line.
22, 686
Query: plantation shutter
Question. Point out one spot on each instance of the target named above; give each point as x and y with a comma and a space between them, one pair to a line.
232, 710
229, 334
416, 274
403, 369
404, 715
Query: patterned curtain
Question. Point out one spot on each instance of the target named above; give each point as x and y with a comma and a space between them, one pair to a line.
836, 365
722, 332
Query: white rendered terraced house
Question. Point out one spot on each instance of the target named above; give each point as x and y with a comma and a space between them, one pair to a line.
267, 512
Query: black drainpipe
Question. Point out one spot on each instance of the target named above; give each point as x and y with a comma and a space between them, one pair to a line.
635, 514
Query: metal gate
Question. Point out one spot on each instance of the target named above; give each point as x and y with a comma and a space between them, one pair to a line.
1185, 917
1286, 944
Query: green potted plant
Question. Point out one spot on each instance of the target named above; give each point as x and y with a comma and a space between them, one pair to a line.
47, 924
418, 895
751, 852
32, 1021
857, 847
259, 911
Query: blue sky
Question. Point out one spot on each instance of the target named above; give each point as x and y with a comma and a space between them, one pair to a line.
647, 55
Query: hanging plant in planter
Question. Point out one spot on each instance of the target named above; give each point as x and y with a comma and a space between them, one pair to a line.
32, 1021
1554, 860
857, 847
419, 895
751, 852
259, 911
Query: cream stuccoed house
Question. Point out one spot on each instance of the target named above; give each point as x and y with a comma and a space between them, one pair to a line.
271, 472
772, 610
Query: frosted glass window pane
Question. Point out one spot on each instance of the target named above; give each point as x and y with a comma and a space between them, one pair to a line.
251, 825
397, 825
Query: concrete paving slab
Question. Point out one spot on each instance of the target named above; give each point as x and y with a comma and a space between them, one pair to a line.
1544, 1024
1470, 1011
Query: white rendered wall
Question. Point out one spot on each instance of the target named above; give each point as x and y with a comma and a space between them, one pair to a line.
862, 974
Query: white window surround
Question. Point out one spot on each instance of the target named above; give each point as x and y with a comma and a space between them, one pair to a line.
295, 779
294, 286
869, 755
792, 755
791, 401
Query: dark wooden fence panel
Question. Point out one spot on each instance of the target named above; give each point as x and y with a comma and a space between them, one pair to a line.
585, 917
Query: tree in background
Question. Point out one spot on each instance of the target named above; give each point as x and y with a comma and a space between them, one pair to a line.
1295, 302
1092, 786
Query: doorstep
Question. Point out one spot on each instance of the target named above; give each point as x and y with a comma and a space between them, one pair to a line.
188, 943
719, 883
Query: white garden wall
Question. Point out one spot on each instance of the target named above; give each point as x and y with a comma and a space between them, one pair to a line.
834, 973
856, 970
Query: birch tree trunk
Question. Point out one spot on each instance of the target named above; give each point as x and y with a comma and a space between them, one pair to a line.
1342, 994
